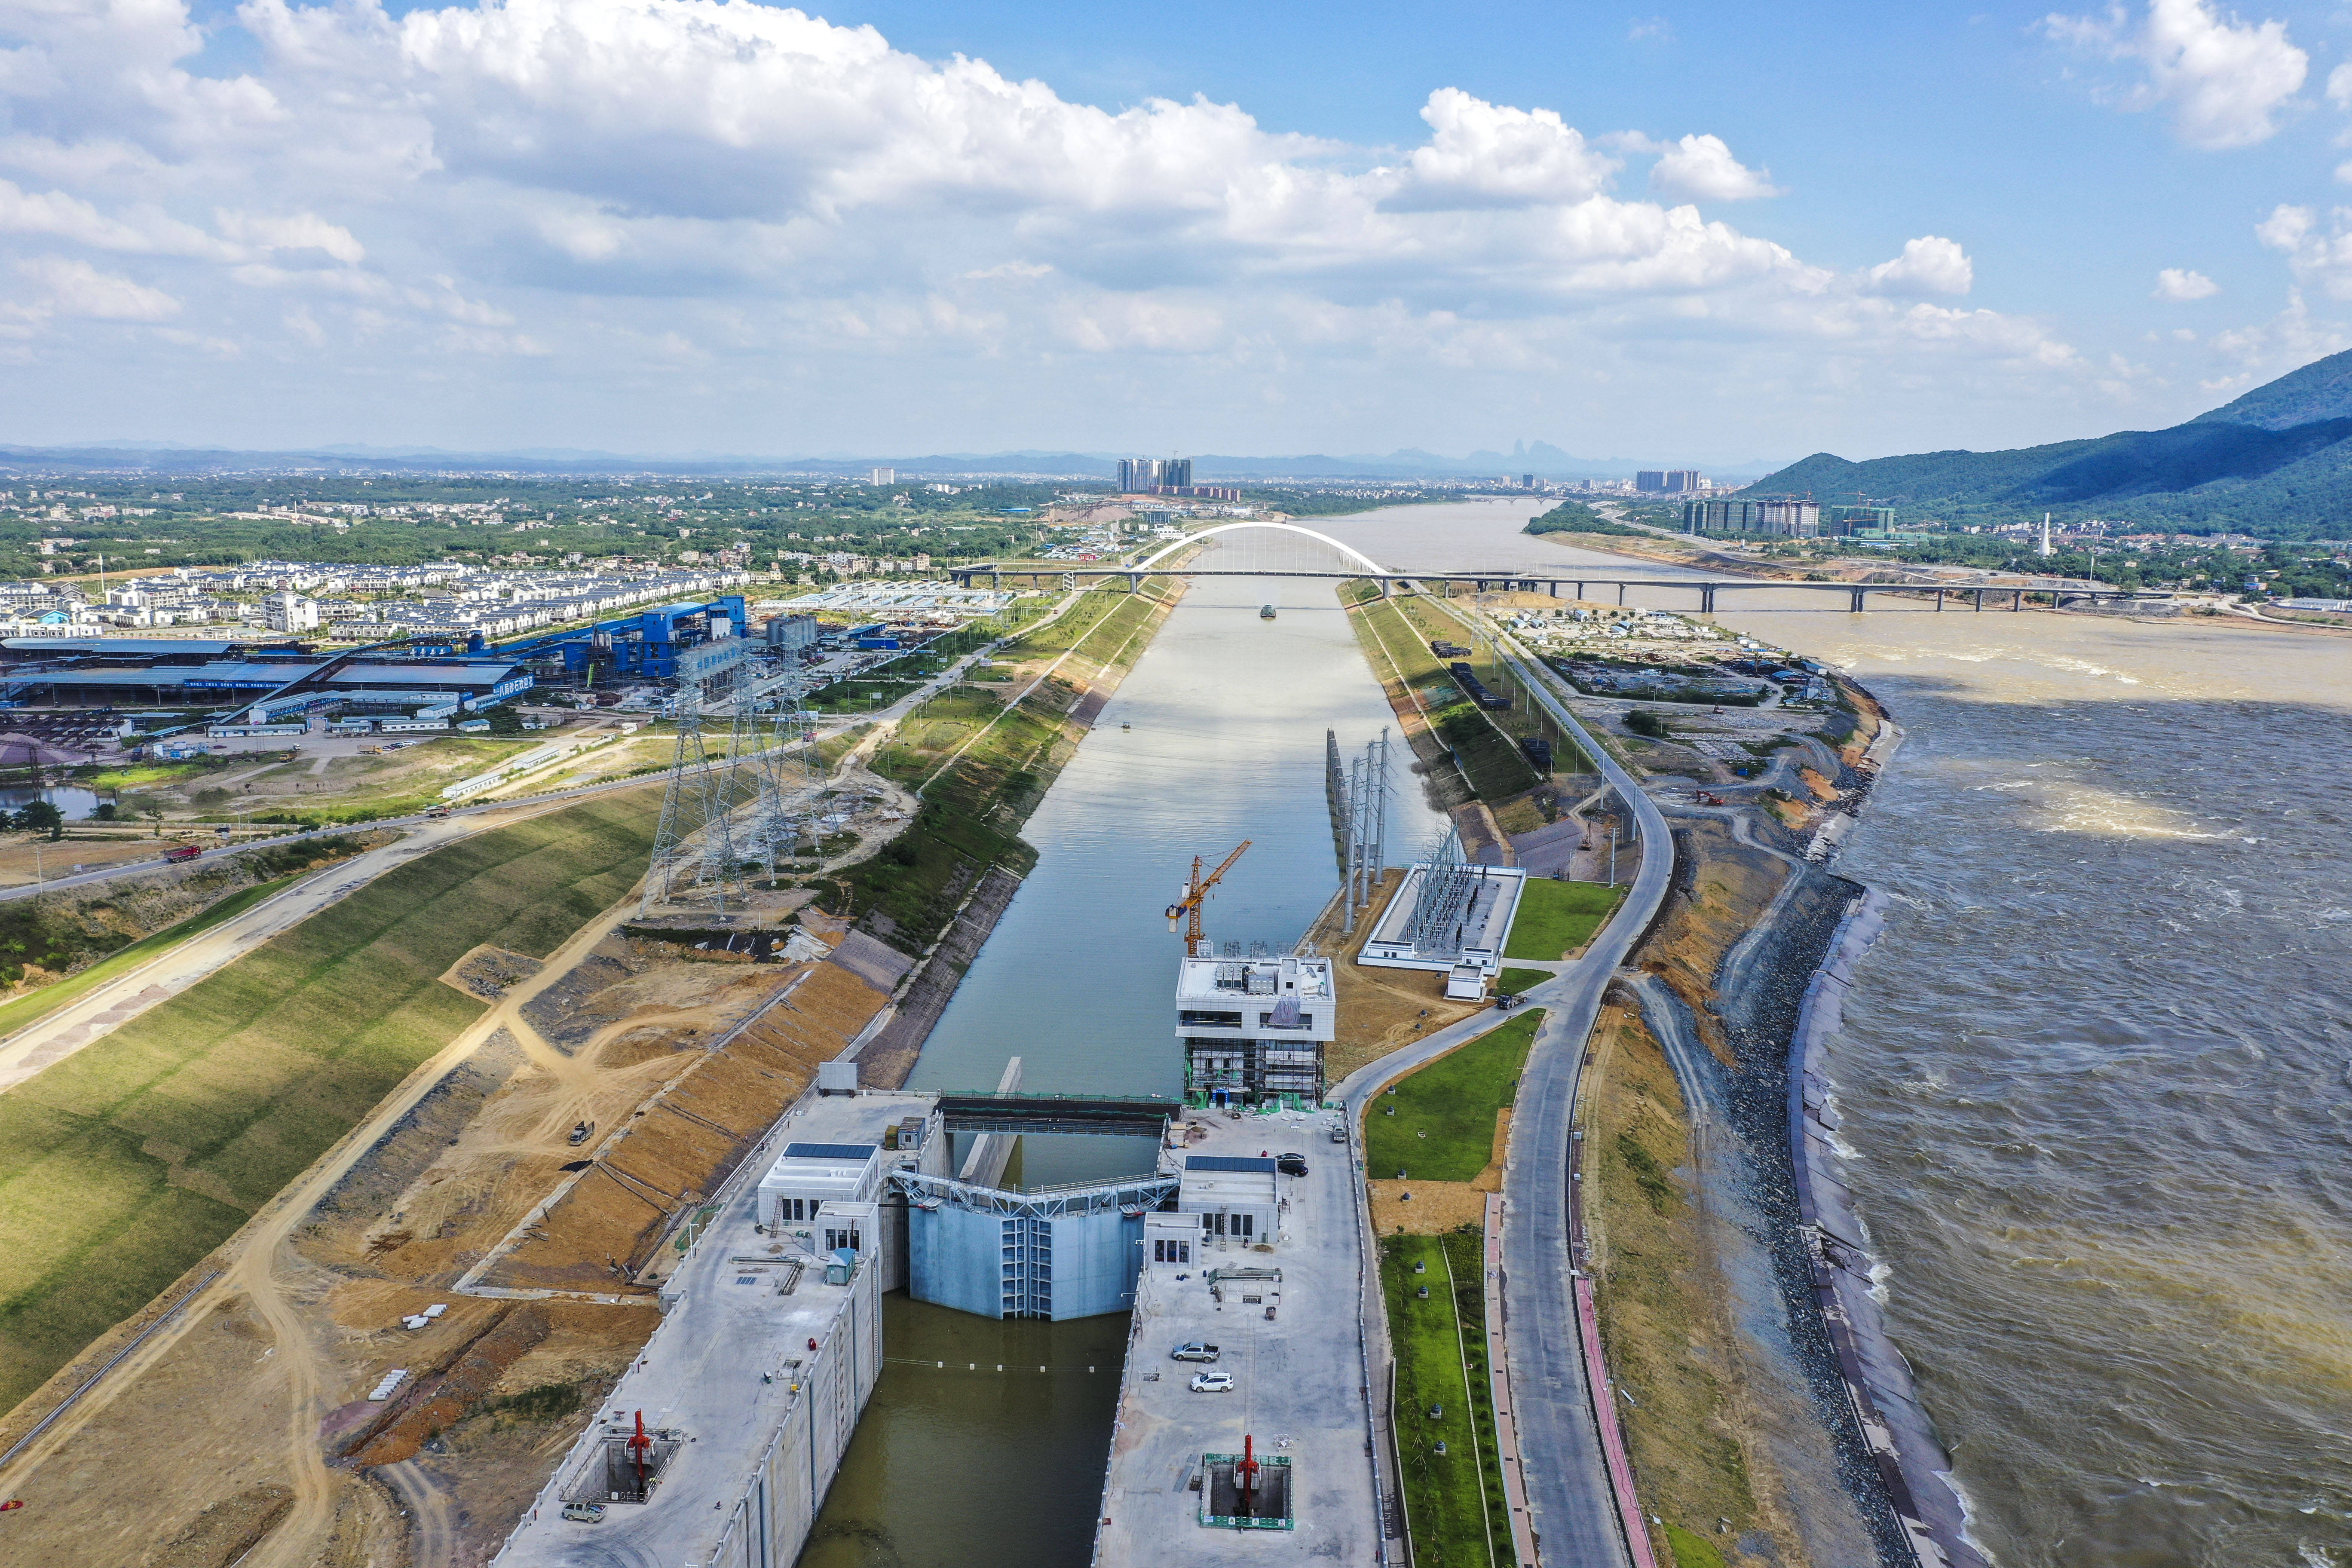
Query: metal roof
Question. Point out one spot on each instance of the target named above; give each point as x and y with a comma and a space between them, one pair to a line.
1227, 1162
158, 647
402, 674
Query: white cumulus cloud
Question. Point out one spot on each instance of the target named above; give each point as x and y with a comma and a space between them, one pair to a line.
2225, 80
2180, 285
465, 190
1928, 265
1701, 168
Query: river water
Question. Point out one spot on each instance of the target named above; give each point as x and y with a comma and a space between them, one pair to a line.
2093, 1074
1217, 735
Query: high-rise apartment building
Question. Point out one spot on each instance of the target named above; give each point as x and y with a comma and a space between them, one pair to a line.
1140, 476
884, 476
1666, 481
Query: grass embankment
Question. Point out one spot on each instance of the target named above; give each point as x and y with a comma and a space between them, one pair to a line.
1491, 762
1439, 1123
24, 1010
125, 1163
1512, 982
1454, 1504
1661, 1322
973, 806
1557, 918
51, 940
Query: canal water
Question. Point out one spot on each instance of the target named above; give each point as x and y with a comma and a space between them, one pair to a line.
1216, 736
2097, 1073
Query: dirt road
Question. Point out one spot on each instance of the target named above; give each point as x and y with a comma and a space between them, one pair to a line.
256, 1269
56, 1036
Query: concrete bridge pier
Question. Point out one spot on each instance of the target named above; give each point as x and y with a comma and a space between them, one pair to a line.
1939, 601
1620, 592
1707, 600
2017, 599
1135, 583
1855, 607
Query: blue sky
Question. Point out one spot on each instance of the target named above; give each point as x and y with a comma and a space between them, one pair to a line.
1709, 234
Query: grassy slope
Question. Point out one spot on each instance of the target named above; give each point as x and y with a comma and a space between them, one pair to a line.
16, 1015
972, 810
1432, 1339
1489, 759
1443, 1128
1555, 918
125, 1163
1657, 1319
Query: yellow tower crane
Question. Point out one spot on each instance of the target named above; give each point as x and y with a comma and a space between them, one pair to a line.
1189, 898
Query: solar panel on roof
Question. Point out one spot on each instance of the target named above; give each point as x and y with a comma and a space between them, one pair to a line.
834, 1150
1227, 1162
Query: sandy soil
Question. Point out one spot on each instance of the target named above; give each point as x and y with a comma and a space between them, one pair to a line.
252, 1405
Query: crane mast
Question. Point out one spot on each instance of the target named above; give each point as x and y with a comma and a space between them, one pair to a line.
1189, 898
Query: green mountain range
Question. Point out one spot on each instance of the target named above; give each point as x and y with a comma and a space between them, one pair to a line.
2275, 463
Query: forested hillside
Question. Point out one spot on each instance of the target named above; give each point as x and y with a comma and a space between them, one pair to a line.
2277, 463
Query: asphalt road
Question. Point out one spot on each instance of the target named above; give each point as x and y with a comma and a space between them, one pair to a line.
1559, 1442
1568, 1485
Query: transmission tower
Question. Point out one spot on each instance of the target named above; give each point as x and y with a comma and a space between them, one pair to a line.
696, 854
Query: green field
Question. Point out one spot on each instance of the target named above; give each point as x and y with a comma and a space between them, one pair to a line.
1454, 1504
1555, 918
1511, 982
1442, 1125
125, 1163
16, 1015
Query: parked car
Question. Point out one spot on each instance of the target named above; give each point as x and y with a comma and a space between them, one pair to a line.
1213, 1383
1193, 1350
1338, 1133
1291, 1165
584, 1512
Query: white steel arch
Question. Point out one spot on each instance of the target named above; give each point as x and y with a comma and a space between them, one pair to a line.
1370, 566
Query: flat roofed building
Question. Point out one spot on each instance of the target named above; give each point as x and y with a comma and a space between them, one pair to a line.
1233, 1197
1255, 1029
806, 1176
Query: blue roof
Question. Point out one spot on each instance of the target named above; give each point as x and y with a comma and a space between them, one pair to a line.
830, 1151
1227, 1162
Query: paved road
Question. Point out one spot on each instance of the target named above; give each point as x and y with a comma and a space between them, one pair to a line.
1567, 1477
1567, 1484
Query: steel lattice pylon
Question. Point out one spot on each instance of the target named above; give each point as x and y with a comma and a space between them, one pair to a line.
695, 853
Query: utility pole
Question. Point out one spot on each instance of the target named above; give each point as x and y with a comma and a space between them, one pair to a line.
1613, 851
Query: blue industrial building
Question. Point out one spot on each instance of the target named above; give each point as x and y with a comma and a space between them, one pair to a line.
676, 642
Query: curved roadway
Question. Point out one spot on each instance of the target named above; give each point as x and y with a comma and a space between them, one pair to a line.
1566, 1479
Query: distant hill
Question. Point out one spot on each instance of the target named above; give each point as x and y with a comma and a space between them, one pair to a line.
2275, 463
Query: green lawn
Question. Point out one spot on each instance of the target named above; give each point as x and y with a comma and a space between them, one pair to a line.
125, 1163
1455, 1503
1442, 1128
1555, 918
16, 1015
1511, 982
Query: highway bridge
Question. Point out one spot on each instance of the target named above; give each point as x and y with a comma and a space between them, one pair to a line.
1583, 586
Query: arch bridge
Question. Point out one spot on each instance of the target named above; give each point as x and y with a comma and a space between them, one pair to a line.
1509, 580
